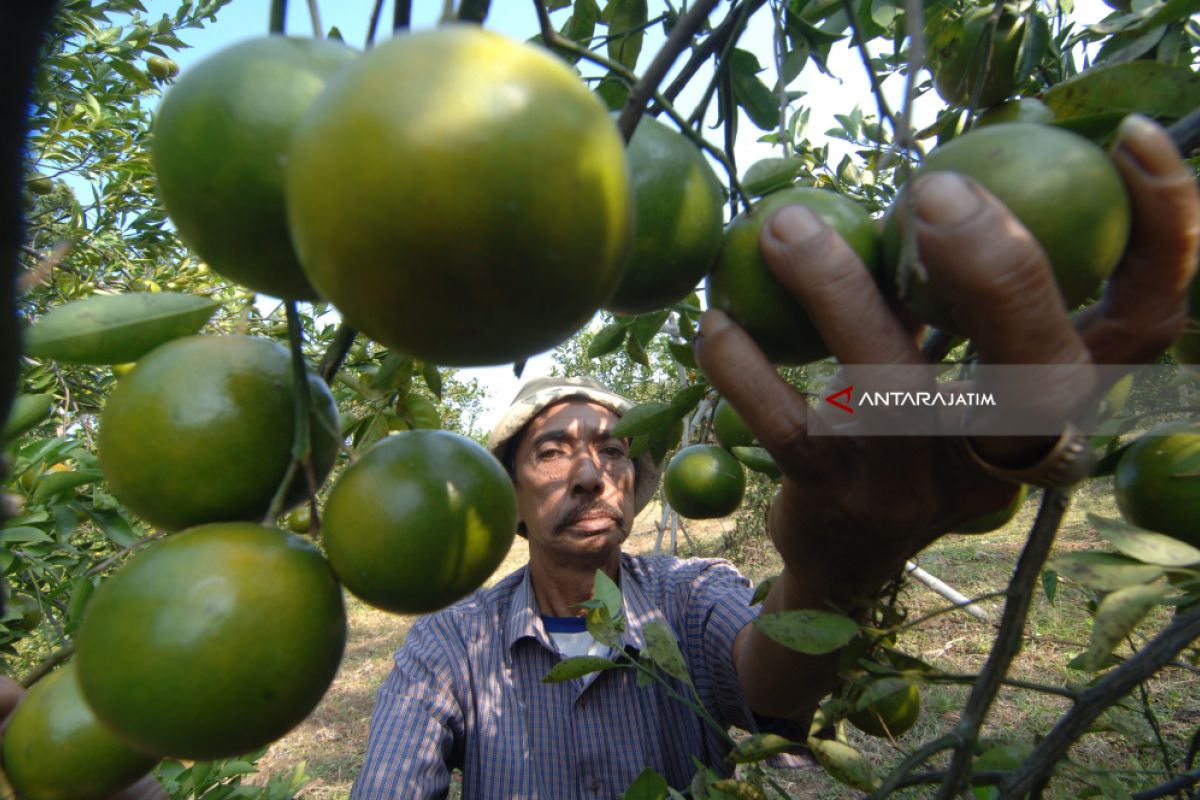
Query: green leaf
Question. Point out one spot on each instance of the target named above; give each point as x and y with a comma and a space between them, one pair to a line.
604, 628
115, 329
1118, 614
231, 769
433, 378
1050, 584
751, 93
623, 16
608, 593
576, 667
647, 325
844, 764
763, 589
636, 353
1146, 546
394, 373
24, 535
685, 400
684, 354
771, 174
759, 460
613, 91
1104, 572
580, 26
808, 630
54, 483
759, 746
1035, 41
1157, 90
664, 440
77, 601
647, 786
27, 412
663, 650
115, 526
645, 418
608, 340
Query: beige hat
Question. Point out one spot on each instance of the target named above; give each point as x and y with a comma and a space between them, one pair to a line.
540, 393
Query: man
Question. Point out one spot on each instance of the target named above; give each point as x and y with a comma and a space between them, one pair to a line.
466, 690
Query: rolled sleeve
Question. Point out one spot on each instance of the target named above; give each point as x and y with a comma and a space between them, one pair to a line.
417, 727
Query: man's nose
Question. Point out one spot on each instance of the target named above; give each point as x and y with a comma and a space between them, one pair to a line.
586, 477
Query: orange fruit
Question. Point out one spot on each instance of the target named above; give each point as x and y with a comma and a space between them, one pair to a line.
1022, 109
461, 197
742, 285
1157, 482
1060, 186
161, 67
679, 220
22, 612
56, 749
730, 429
300, 520
893, 714
957, 56
219, 149
420, 520
704, 481
213, 642
201, 431
995, 520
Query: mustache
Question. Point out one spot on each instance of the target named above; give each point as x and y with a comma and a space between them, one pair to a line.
588, 509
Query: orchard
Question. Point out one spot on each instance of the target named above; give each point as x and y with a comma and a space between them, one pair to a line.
239, 293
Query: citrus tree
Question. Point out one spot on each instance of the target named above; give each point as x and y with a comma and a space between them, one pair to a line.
485, 214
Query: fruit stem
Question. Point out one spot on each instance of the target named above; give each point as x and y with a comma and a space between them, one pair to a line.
302, 401
314, 14
47, 666
278, 16
373, 25
331, 362
885, 111
402, 15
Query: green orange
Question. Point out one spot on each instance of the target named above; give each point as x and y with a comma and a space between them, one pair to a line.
202, 429
419, 521
461, 197
213, 642
56, 749
1021, 109
220, 148
704, 481
1157, 483
679, 220
1060, 186
741, 283
958, 57
891, 715
730, 429
995, 520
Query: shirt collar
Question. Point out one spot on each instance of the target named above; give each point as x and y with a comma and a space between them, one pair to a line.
523, 619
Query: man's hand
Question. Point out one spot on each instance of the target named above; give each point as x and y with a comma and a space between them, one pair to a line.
851, 509
145, 789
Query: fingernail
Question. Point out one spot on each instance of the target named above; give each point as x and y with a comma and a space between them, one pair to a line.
1148, 153
794, 224
713, 322
945, 198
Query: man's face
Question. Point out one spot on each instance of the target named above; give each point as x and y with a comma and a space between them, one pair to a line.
574, 483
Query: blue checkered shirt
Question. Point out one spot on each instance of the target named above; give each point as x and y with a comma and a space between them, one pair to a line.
467, 692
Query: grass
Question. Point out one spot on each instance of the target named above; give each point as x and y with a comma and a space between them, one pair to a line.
332, 741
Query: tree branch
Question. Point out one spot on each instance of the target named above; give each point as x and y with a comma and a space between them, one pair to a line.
885, 112
646, 87
705, 50
373, 25
278, 21
1157, 654
402, 15
301, 446
1021, 590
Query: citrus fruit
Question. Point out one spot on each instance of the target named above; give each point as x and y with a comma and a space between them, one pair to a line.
958, 56
996, 519
1157, 482
461, 197
1060, 186
201, 431
730, 429
1022, 109
219, 149
39, 184
161, 67
1186, 348
212, 642
422, 519
22, 612
704, 481
679, 220
300, 520
742, 285
893, 714
56, 749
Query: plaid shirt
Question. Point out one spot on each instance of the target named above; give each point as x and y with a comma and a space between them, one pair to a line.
466, 692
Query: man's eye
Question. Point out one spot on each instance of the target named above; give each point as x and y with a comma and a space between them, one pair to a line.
549, 453
615, 451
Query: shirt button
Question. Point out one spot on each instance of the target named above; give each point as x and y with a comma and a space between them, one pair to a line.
582, 702
594, 784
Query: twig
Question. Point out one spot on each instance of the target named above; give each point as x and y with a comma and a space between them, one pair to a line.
1008, 639
402, 15
730, 39
779, 45
301, 446
647, 86
912, 623
716, 40
278, 20
1094, 700
989, 49
51, 661
331, 362
885, 112
915, 759
1176, 784
947, 677
922, 778
315, 14
373, 25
